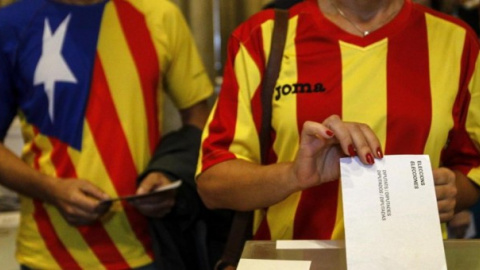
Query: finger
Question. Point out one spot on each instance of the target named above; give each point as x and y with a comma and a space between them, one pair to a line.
443, 176
93, 191
356, 139
83, 202
77, 216
372, 140
445, 192
446, 206
152, 181
103, 207
342, 134
312, 131
445, 217
154, 200
157, 210
361, 143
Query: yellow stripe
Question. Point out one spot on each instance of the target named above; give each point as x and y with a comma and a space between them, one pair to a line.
339, 229
442, 36
28, 231
31, 248
282, 215
364, 92
205, 135
364, 97
123, 78
472, 123
245, 143
89, 166
66, 234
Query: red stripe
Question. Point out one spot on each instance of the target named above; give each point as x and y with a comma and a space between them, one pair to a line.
255, 46
95, 234
408, 96
115, 153
45, 227
461, 153
263, 231
311, 221
143, 51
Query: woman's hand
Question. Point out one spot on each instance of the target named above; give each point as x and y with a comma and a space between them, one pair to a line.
446, 191
323, 144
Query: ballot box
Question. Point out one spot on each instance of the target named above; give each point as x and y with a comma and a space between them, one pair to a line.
323, 255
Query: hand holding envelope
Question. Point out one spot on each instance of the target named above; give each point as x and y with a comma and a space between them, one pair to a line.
154, 198
391, 214
151, 194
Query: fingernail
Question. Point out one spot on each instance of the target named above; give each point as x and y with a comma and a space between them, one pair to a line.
379, 152
329, 133
351, 150
370, 159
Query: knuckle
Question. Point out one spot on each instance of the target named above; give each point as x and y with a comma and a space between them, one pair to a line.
334, 117
363, 126
452, 192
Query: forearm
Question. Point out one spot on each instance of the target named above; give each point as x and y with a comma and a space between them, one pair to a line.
467, 192
243, 186
19, 177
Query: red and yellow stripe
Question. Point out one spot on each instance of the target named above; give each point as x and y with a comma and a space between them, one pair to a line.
410, 100
114, 151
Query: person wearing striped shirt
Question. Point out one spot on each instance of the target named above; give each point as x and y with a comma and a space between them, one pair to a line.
87, 79
357, 78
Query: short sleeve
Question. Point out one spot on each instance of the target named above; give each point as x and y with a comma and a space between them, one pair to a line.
186, 80
7, 97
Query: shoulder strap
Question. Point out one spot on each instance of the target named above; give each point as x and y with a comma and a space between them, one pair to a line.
279, 36
241, 229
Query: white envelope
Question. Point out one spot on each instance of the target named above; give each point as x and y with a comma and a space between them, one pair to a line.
391, 215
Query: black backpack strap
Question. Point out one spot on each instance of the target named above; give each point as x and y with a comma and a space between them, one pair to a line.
242, 224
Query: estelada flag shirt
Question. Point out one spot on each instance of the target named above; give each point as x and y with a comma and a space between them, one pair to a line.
415, 82
87, 83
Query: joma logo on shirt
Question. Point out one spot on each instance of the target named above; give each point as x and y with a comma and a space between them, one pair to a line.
298, 88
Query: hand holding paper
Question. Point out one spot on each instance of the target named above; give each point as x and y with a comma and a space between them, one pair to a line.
391, 215
153, 193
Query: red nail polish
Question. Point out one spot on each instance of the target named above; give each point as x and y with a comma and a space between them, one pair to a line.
351, 150
370, 159
329, 133
379, 153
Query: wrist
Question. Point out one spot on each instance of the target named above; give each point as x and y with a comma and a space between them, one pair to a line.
47, 188
289, 178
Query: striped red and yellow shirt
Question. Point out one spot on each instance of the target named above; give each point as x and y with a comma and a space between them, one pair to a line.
415, 81
88, 83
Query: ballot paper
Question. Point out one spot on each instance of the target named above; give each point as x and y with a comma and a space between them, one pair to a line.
391, 215
156, 192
